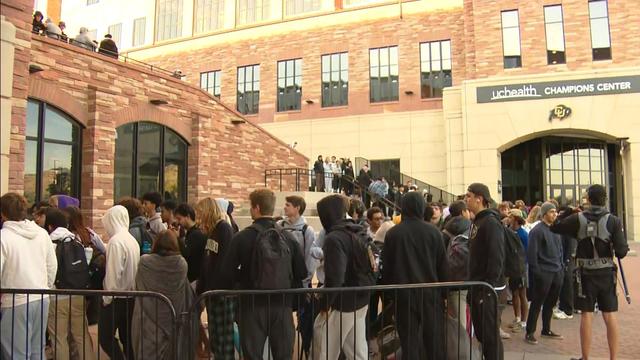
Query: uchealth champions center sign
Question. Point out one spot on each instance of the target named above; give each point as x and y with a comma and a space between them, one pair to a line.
557, 89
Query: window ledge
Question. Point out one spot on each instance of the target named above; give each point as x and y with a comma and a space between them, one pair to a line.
288, 112
384, 103
431, 99
337, 107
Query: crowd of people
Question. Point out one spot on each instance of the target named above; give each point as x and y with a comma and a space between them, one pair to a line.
182, 251
48, 28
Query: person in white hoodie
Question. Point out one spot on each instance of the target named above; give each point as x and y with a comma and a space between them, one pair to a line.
67, 314
123, 256
27, 261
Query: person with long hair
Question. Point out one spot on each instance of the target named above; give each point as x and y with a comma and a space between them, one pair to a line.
533, 218
163, 271
91, 240
220, 310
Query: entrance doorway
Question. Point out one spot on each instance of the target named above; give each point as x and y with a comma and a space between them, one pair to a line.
389, 168
561, 168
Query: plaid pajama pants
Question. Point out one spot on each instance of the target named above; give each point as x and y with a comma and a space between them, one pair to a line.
220, 312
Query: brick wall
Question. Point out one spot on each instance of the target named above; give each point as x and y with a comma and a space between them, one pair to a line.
483, 16
225, 160
356, 38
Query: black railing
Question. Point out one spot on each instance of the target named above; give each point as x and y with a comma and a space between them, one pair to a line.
418, 320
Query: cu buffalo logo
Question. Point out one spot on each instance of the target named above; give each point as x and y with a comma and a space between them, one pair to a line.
559, 112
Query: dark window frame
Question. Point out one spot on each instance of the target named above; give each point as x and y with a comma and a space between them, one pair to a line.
343, 96
40, 140
161, 166
555, 57
377, 84
255, 94
289, 98
211, 88
440, 75
600, 54
511, 61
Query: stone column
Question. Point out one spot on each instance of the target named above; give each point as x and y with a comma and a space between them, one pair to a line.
7, 57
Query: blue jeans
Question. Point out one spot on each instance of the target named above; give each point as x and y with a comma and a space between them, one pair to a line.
22, 330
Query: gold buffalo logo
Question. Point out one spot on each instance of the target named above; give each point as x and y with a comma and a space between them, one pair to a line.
559, 112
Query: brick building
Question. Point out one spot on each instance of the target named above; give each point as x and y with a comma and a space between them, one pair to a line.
81, 123
535, 98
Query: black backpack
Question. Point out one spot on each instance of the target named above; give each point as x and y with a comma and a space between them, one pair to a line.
271, 259
73, 269
145, 240
365, 255
513, 254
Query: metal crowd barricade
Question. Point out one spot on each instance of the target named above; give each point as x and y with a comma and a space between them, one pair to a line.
33, 315
419, 321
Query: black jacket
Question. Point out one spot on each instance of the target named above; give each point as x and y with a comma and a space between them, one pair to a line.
108, 47
339, 267
486, 248
216, 247
364, 177
318, 166
413, 250
193, 252
455, 226
238, 266
570, 226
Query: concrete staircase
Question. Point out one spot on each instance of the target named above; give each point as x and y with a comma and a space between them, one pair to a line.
243, 218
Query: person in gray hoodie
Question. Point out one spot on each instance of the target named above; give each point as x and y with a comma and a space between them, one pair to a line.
27, 261
544, 256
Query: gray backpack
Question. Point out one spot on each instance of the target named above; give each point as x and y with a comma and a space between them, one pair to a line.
594, 230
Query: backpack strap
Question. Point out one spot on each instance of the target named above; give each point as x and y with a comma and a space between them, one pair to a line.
594, 229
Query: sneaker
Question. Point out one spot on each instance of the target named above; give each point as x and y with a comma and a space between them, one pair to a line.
531, 339
569, 316
551, 335
504, 335
559, 314
513, 324
517, 328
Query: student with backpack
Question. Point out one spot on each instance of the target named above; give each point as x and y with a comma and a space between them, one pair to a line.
341, 324
123, 256
458, 228
138, 227
414, 253
264, 257
600, 236
67, 312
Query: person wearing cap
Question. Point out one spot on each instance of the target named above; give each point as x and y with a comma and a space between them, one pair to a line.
518, 286
108, 47
544, 256
596, 285
486, 263
63, 36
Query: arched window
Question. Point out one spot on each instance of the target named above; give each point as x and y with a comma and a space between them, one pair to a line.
51, 154
150, 157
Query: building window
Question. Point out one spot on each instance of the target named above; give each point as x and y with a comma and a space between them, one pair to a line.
335, 79
289, 84
555, 35
52, 153
383, 74
252, 11
248, 97
168, 19
209, 15
210, 82
139, 28
435, 68
91, 2
600, 38
150, 157
295, 7
511, 39
116, 33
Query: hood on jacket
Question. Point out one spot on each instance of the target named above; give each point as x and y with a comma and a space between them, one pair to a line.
164, 274
223, 204
61, 233
138, 221
458, 225
595, 212
115, 220
331, 210
413, 205
298, 224
26, 228
488, 212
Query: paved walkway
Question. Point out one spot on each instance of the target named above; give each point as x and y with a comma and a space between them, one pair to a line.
628, 321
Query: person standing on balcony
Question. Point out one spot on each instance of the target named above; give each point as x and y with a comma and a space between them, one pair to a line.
328, 175
365, 179
350, 177
318, 170
108, 47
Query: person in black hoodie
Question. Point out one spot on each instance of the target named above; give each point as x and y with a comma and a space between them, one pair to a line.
318, 170
344, 314
486, 263
37, 26
596, 285
414, 253
263, 316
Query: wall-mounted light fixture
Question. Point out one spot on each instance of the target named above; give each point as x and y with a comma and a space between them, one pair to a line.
33, 68
158, 102
309, 101
408, 92
238, 121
